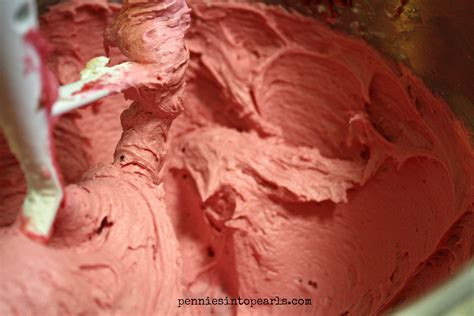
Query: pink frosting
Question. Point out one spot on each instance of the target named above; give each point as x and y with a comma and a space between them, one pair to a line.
305, 165
114, 223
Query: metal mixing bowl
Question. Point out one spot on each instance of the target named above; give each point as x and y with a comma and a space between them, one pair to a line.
435, 38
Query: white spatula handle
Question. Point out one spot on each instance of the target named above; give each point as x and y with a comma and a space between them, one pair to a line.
24, 121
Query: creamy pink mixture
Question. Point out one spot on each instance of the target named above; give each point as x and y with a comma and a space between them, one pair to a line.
304, 165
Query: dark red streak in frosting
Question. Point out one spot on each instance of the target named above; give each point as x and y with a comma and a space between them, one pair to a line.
93, 85
49, 83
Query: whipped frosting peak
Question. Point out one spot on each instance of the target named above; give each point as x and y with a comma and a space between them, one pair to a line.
151, 33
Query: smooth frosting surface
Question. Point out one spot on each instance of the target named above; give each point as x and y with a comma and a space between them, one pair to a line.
304, 165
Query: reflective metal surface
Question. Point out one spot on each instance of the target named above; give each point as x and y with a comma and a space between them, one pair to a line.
435, 38
456, 298
44, 4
